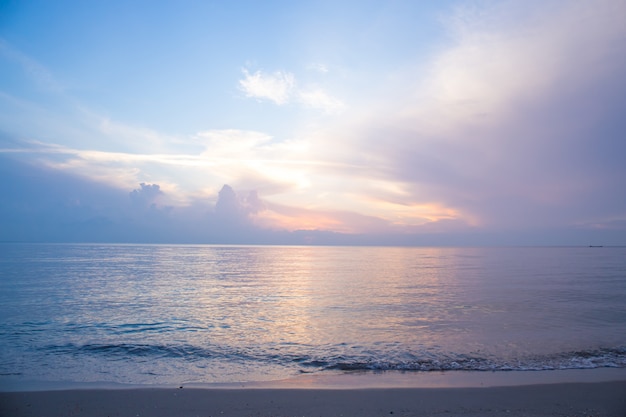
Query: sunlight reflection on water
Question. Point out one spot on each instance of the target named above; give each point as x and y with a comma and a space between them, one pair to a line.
228, 313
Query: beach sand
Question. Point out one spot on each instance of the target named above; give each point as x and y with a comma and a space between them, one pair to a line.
597, 399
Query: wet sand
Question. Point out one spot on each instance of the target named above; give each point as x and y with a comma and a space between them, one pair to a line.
598, 399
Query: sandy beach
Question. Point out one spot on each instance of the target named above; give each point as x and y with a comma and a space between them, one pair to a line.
597, 399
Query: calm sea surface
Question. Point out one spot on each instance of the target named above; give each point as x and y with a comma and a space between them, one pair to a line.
171, 314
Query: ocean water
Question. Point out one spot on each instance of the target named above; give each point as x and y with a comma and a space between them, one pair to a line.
170, 314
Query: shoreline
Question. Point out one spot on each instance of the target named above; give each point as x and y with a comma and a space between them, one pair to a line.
352, 380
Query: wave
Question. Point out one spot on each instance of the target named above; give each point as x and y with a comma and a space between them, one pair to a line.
129, 350
598, 358
313, 362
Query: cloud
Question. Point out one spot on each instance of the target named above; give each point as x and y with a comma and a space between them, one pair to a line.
528, 114
146, 195
510, 52
515, 126
231, 143
319, 67
281, 88
276, 87
228, 206
321, 100
41, 204
247, 159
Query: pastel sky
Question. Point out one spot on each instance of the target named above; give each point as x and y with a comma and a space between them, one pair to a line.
328, 122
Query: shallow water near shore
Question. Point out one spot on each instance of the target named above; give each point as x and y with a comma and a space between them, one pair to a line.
168, 314
352, 380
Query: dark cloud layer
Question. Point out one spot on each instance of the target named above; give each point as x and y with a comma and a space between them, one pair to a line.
51, 206
45, 205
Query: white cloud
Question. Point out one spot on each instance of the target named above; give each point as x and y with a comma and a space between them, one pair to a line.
514, 51
318, 67
320, 100
281, 88
247, 159
231, 143
276, 87
518, 124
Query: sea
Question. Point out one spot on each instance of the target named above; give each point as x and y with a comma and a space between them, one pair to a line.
174, 314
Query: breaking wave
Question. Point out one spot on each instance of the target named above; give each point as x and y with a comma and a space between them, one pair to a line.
587, 359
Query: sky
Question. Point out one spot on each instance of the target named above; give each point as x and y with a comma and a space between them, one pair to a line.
314, 122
